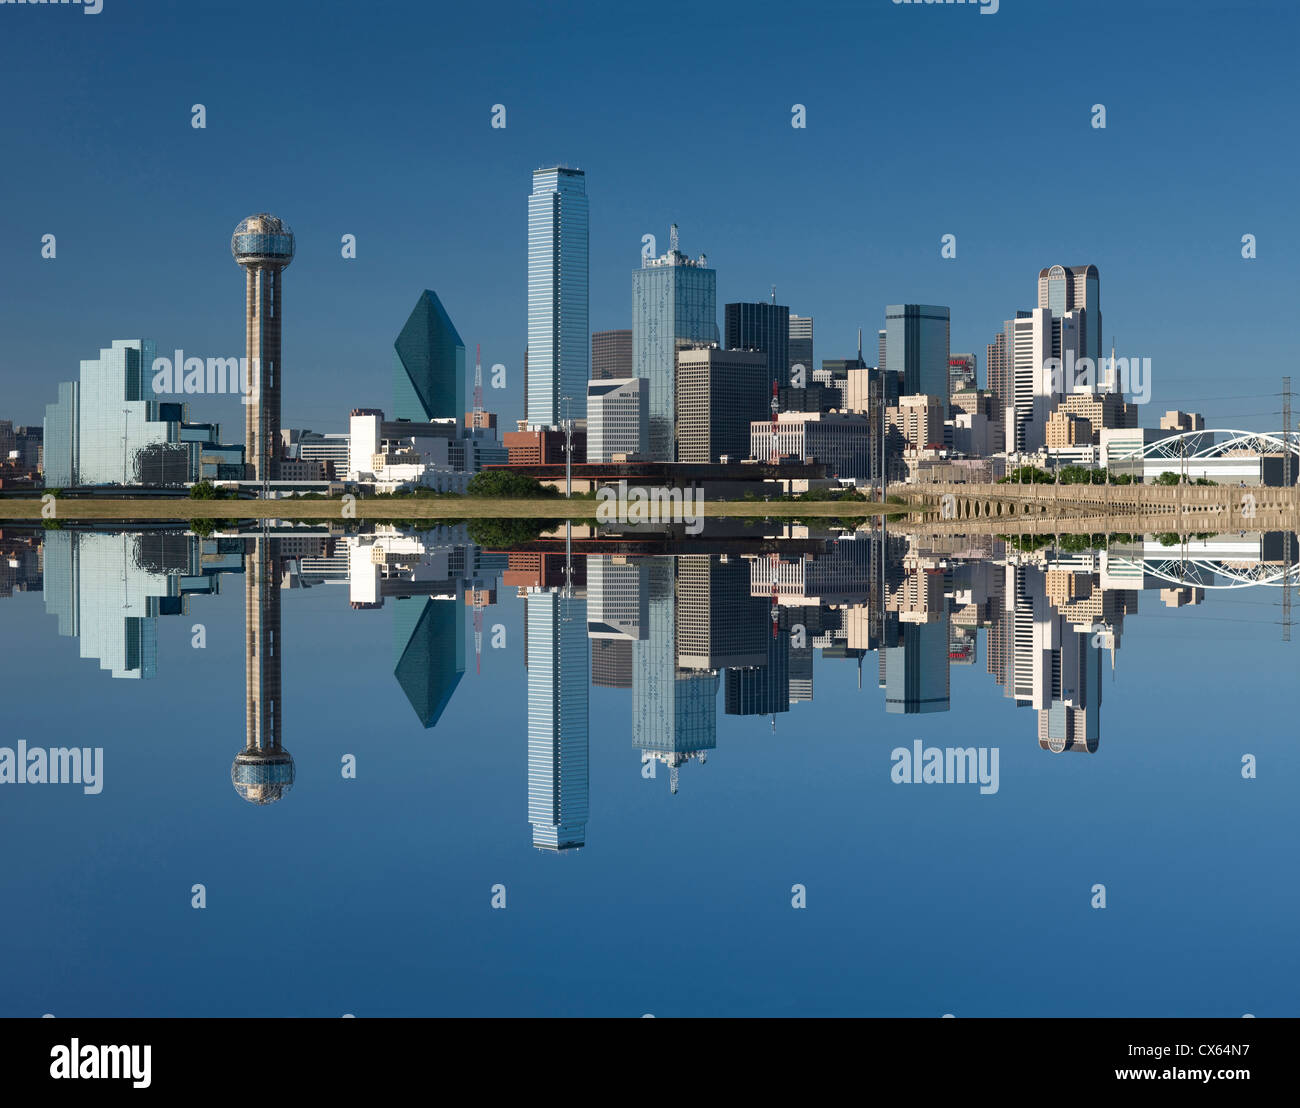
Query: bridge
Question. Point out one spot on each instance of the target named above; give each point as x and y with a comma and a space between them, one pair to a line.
947, 508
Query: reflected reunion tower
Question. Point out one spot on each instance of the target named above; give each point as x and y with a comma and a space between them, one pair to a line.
263, 245
263, 770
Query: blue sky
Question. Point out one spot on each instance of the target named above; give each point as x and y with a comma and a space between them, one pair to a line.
374, 120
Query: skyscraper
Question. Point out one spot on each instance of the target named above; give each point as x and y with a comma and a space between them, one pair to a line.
801, 344
558, 720
997, 368
611, 354
916, 345
674, 713
263, 245
674, 298
1064, 289
108, 429
429, 645
558, 329
764, 327
719, 392
428, 364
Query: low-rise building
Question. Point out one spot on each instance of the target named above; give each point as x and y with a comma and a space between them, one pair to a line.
838, 440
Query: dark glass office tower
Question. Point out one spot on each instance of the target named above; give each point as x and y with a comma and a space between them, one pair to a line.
916, 346
611, 355
429, 366
764, 327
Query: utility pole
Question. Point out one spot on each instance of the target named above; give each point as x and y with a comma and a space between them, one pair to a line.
568, 447
1286, 530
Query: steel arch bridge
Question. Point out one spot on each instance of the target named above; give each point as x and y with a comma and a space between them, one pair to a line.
1215, 573
1194, 445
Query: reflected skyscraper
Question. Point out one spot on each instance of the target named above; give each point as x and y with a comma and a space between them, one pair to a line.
674, 713
429, 648
916, 670
263, 771
108, 590
558, 707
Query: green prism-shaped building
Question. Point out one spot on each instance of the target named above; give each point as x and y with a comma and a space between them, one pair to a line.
429, 365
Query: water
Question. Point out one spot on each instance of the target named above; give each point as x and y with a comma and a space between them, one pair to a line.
648, 840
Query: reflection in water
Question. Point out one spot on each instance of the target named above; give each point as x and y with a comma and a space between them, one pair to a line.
746, 612
263, 770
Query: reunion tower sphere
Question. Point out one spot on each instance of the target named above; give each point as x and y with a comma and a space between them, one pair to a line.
263, 239
262, 777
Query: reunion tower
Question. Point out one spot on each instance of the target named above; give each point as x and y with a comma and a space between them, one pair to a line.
263, 245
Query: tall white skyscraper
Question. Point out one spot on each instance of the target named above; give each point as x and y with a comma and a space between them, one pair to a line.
557, 719
559, 337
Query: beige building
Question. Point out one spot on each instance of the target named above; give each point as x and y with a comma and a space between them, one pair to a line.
1066, 429
1182, 421
919, 419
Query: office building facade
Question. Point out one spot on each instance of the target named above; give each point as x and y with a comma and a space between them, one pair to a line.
718, 393
559, 354
801, 344
618, 418
674, 300
611, 355
763, 327
916, 346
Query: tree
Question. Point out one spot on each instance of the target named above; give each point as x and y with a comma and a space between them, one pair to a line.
505, 484
502, 534
206, 490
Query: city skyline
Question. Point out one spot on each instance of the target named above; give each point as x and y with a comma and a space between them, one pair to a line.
903, 255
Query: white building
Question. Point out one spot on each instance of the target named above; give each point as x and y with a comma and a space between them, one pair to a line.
618, 418
394, 455
838, 440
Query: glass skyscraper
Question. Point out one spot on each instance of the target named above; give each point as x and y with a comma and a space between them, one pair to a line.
429, 642
673, 298
429, 369
559, 354
674, 713
764, 327
108, 429
916, 346
916, 670
558, 723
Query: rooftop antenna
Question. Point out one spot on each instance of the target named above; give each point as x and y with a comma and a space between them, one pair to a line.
672, 237
859, 344
478, 385
773, 294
